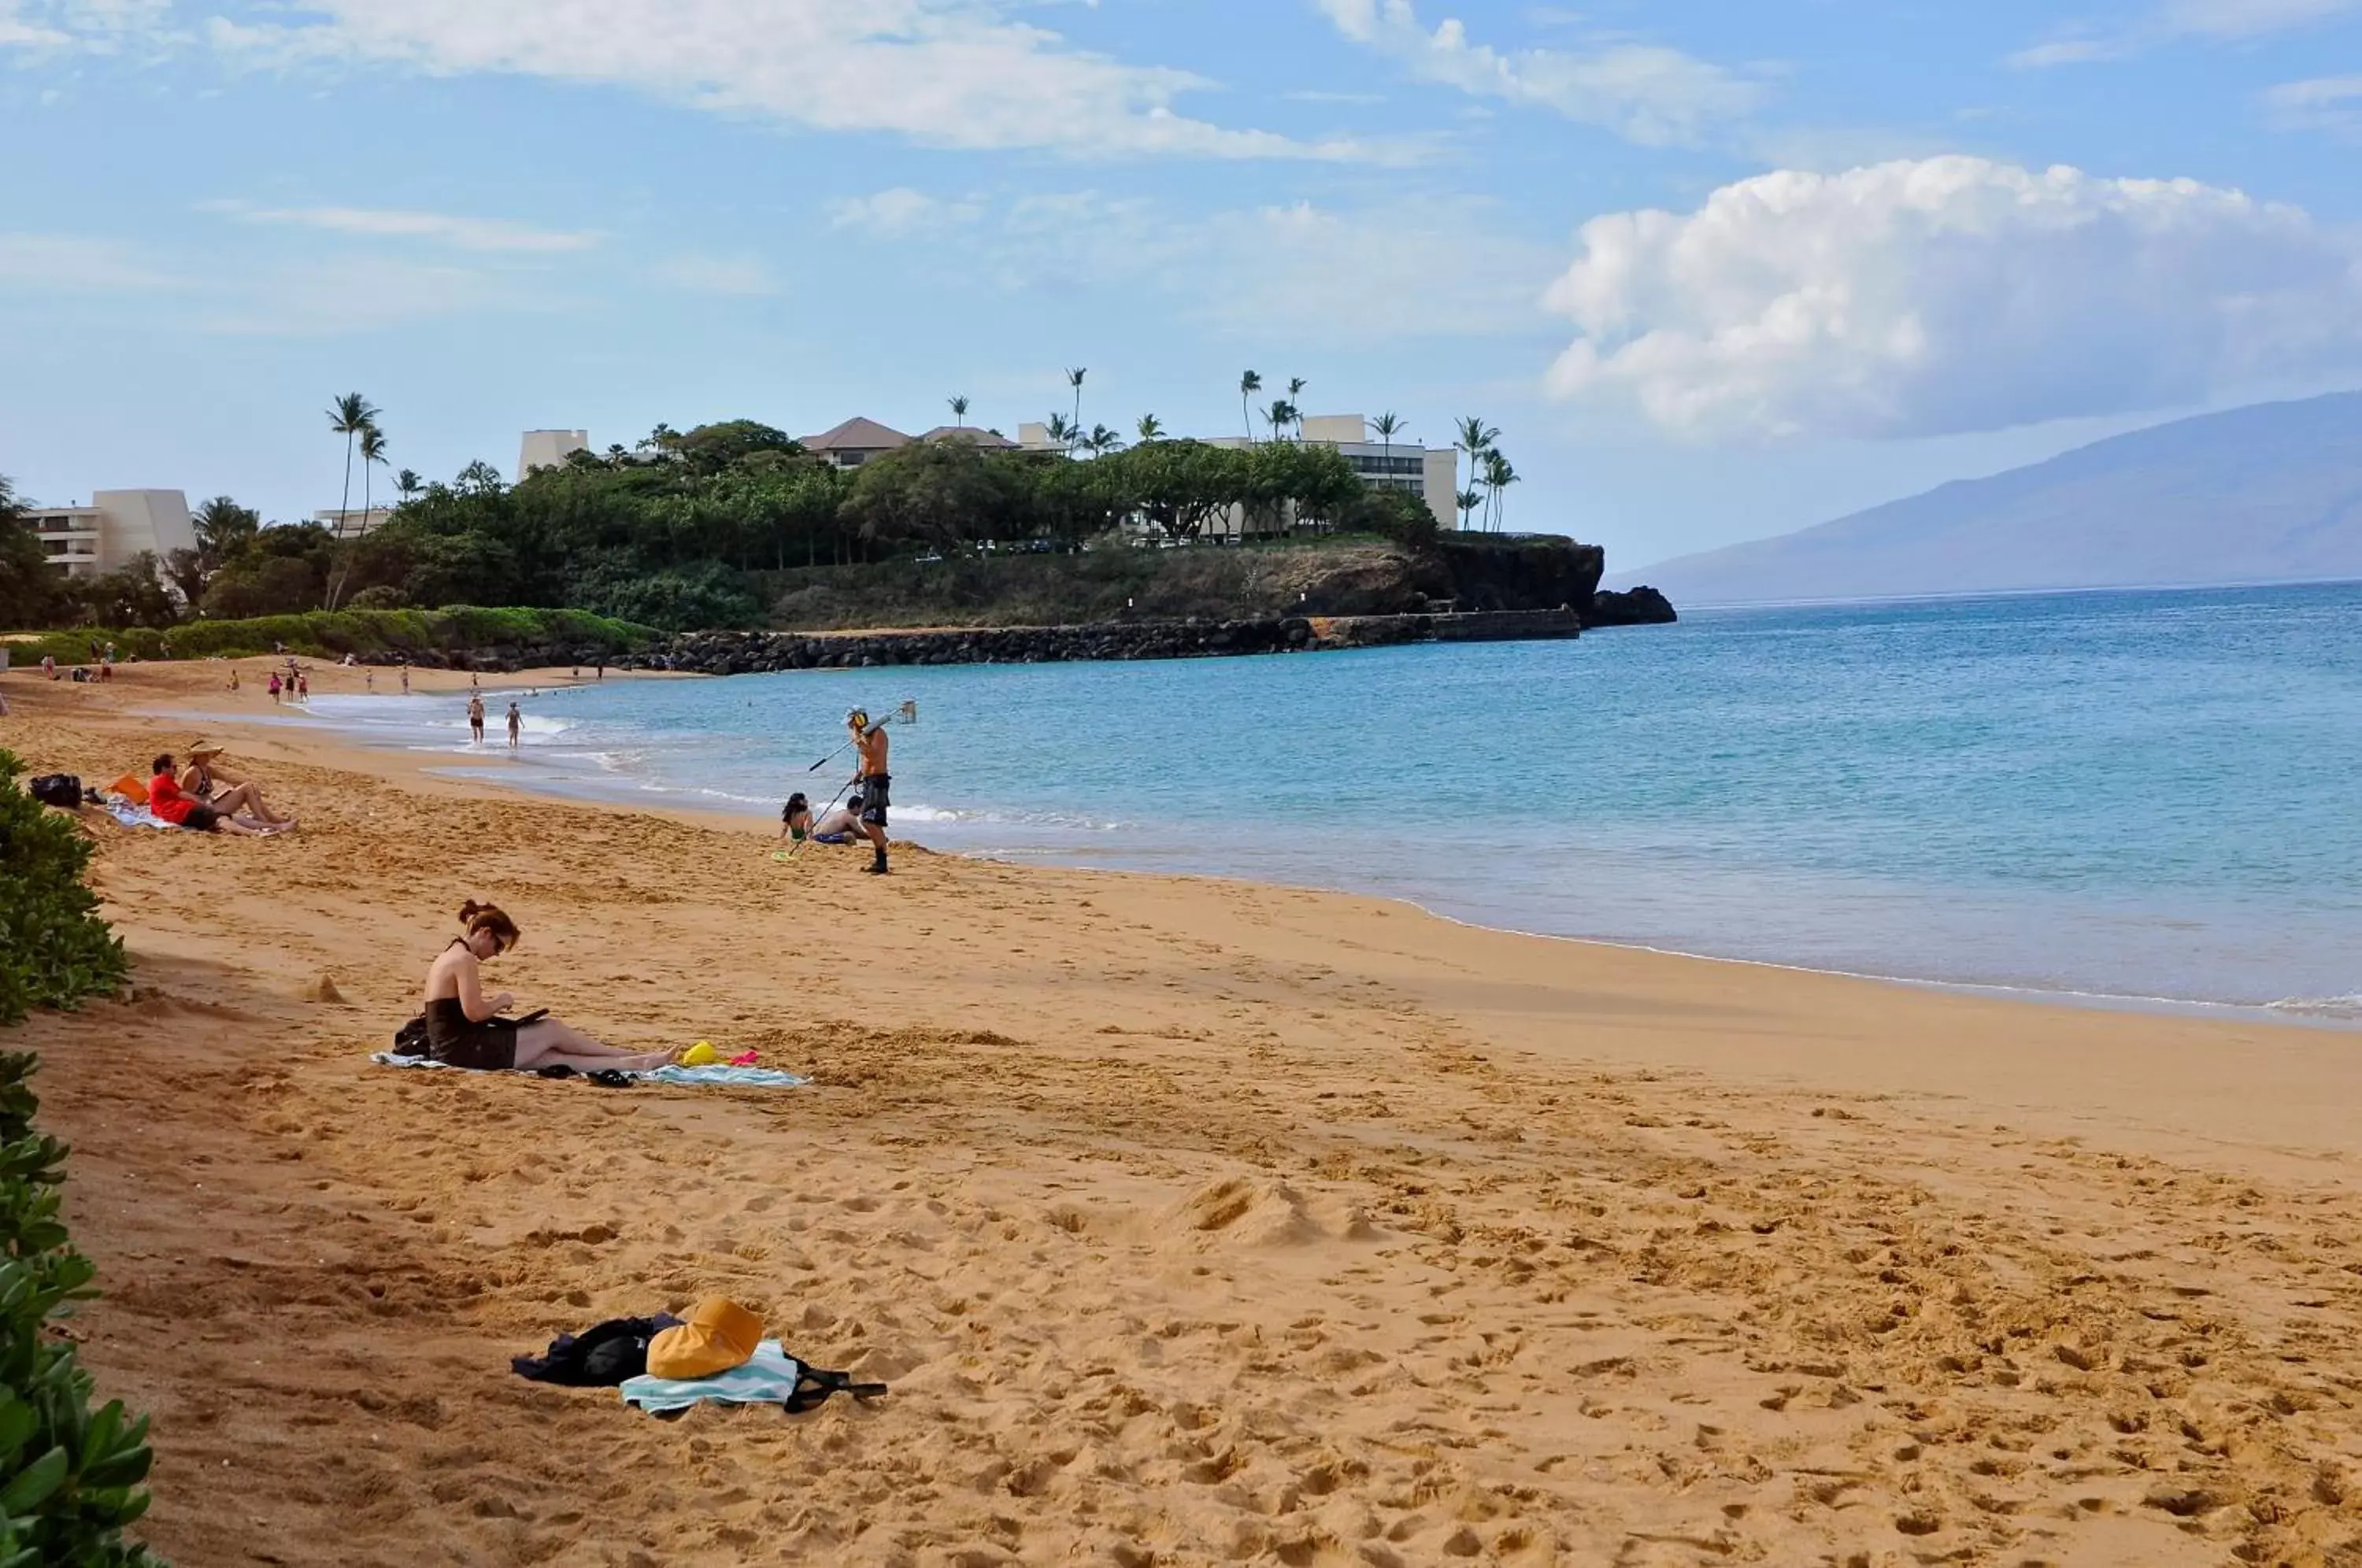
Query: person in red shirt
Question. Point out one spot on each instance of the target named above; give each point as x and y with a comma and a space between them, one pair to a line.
175, 805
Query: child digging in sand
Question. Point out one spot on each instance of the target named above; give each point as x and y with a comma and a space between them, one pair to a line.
463, 1025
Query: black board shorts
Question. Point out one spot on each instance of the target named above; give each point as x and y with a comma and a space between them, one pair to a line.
201, 819
876, 792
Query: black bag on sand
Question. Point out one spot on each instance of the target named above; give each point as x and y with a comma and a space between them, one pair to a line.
599, 1357
62, 790
410, 1040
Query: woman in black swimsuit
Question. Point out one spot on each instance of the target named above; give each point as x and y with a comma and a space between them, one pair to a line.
464, 1028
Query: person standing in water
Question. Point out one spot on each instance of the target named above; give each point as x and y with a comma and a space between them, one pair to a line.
869, 743
476, 718
405, 679
516, 726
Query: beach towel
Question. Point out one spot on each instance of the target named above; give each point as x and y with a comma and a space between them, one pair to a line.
772, 1377
724, 1077
132, 816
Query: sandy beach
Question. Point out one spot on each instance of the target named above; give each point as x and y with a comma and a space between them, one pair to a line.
1191, 1223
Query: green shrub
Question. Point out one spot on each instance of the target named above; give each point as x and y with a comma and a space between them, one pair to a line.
326, 634
69, 1476
54, 950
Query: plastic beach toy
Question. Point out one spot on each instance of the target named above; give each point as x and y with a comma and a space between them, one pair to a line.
701, 1055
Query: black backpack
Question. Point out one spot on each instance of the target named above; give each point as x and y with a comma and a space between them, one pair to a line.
60, 790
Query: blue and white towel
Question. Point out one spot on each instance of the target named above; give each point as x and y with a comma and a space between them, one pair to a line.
724, 1077
130, 816
769, 1377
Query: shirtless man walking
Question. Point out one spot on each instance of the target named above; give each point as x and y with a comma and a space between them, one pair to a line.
869, 743
476, 718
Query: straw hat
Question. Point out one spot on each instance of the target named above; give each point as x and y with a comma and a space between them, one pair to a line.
204, 748
719, 1334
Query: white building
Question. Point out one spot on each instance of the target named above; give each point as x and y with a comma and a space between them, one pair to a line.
1431, 473
86, 541
352, 525
548, 449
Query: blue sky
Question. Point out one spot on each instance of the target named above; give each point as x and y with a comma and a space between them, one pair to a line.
1715, 271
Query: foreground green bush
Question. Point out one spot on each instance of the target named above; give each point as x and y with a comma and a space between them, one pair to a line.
323, 634
69, 1476
54, 950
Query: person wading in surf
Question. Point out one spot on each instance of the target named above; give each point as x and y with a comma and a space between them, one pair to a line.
869, 743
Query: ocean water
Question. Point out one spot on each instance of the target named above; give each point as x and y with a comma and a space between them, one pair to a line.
2138, 795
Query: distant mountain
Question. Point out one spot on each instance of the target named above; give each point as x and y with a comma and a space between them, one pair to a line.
2270, 493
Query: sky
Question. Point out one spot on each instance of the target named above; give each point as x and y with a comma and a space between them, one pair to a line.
1715, 271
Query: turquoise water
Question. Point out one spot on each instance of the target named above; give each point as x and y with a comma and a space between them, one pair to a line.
2129, 794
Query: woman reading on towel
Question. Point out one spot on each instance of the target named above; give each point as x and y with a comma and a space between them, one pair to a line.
464, 1028
225, 791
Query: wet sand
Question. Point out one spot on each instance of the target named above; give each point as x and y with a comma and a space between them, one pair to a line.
1191, 1221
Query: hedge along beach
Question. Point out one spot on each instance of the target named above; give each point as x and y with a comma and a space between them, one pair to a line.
1191, 1221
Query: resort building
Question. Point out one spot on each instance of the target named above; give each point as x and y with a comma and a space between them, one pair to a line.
549, 449
974, 434
353, 524
1431, 473
855, 442
118, 524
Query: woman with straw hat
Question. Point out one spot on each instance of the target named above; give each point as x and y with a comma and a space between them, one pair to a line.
222, 790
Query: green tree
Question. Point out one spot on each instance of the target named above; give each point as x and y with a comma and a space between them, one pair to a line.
29, 584
407, 484
1248, 384
131, 595
1151, 428
1075, 380
1296, 386
1056, 428
1468, 501
349, 416
959, 410
372, 445
1102, 441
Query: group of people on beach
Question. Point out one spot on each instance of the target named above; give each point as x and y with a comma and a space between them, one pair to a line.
864, 800
466, 1026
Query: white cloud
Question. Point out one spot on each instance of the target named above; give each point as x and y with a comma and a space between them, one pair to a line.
2330, 103
2214, 20
956, 73
55, 263
1644, 93
97, 27
1948, 295
902, 211
734, 277
2251, 18
442, 228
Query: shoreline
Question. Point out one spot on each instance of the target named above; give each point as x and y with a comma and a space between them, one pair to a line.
2302, 1013
1178, 1213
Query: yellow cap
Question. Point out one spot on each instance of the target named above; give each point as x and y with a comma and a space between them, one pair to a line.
719, 1334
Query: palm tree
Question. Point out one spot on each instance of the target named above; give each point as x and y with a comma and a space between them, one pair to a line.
1102, 441
1075, 380
959, 411
1151, 428
407, 484
1498, 477
1248, 384
1056, 428
349, 416
1278, 416
372, 456
1468, 501
1388, 426
1296, 390
1476, 438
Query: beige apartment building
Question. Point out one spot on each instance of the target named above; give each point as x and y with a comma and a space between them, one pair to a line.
118, 524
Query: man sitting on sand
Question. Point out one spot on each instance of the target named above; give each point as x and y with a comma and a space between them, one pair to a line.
206, 781
839, 824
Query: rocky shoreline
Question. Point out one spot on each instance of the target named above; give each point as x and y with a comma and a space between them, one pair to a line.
745, 653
